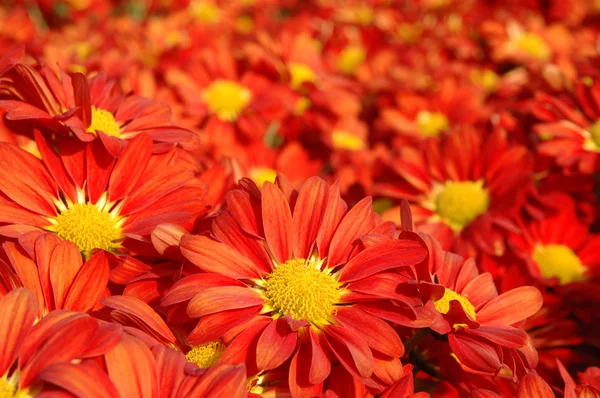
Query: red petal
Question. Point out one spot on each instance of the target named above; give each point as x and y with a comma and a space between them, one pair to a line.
375, 332
129, 168
89, 284
336, 208
143, 315
308, 215
212, 256
358, 221
80, 380
532, 385
19, 311
65, 263
132, 369
506, 336
27, 272
217, 299
277, 220
387, 369
275, 345
99, 166
475, 353
299, 379
512, 306
320, 367
214, 326
186, 288
352, 351
388, 255
55, 166
221, 381
170, 366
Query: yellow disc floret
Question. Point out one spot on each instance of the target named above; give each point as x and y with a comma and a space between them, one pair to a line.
443, 305
205, 12
227, 99
559, 261
104, 121
345, 141
533, 46
88, 227
299, 288
461, 202
7, 390
592, 142
300, 74
206, 355
431, 124
350, 59
260, 175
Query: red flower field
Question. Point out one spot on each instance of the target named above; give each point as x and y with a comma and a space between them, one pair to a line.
288, 198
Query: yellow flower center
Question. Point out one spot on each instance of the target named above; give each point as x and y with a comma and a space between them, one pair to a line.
301, 105
559, 261
206, 355
104, 121
205, 12
364, 15
244, 24
350, 59
345, 141
431, 124
534, 46
260, 175
461, 202
299, 288
443, 305
300, 74
409, 33
592, 142
486, 79
88, 227
227, 99
8, 389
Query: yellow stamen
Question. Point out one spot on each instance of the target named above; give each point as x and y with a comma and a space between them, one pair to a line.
260, 175
10, 389
205, 12
206, 355
534, 46
301, 106
592, 140
559, 261
364, 15
460, 202
104, 121
431, 124
300, 74
88, 227
227, 99
244, 24
443, 305
350, 59
343, 140
299, 288
487, 79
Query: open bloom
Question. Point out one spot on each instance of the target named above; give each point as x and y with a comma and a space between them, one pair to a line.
464, 190
481, 326
569, 128
288, 275
87, 108
34, 356
558, 249
87, 197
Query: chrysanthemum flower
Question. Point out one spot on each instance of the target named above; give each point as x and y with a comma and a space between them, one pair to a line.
481, 326
436, 114
54, 271
558, 249
463, 190
86, 197
286, 279
72, 104
569, 130
35, 357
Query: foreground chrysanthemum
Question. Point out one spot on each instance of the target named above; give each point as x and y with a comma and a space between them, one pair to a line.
93, 200
293, 275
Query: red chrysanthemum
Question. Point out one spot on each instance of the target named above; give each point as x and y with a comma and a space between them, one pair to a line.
86, 196
293, 275
464, 190
72, 104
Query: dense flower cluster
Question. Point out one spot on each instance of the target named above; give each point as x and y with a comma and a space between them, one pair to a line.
378, 198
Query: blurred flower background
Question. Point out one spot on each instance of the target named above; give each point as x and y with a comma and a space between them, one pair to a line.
304, 198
